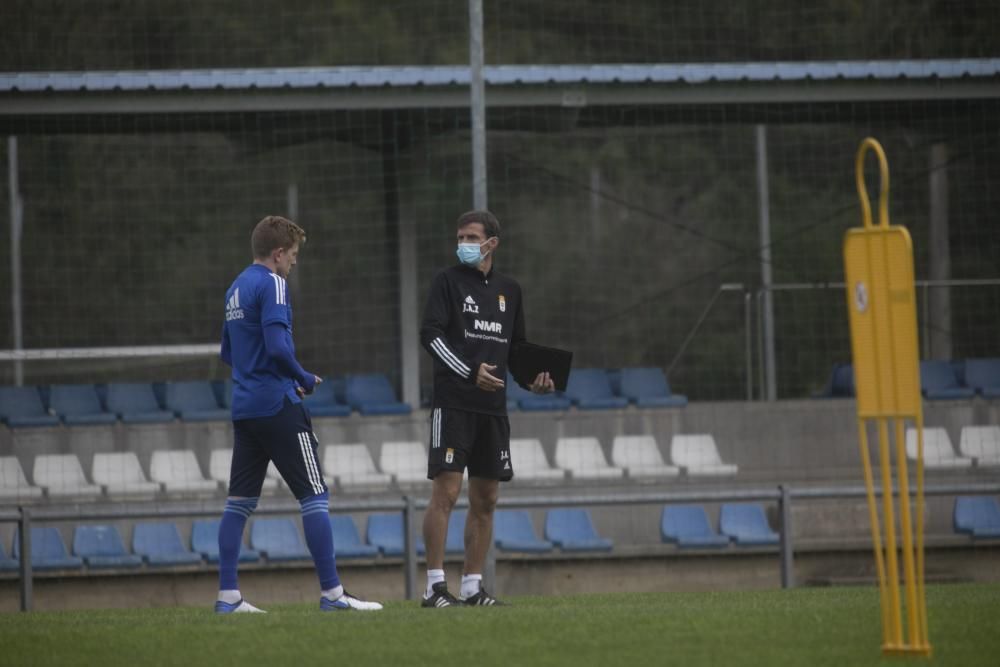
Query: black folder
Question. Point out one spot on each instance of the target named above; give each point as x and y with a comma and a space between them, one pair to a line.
527, 360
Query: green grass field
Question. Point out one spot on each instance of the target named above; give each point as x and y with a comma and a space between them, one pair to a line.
827, 626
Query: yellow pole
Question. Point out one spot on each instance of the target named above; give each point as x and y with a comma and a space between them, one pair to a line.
892, 571
876, 532
906, 528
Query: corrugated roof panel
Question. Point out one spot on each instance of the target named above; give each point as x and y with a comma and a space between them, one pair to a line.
495, 75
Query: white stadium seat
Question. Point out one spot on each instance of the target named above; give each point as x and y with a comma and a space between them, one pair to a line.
62, 476
352, 465
981, 443
13, 484
406, 461
178, 471
583, 458
699, 456
121, 474
530, 463
640, 457
938, 452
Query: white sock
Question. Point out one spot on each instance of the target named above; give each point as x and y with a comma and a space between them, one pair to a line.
229, 597
433, 577
333, 593
470, 585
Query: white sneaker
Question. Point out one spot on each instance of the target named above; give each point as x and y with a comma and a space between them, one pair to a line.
347, 602
241, 607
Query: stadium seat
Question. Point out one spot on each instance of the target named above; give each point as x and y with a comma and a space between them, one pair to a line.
220, 464
205, 541
102, 547
979, 516
840, 384
13, 484
21, 407
583, 458
521, 398
135, 403
346, 540
688, 527
572, 530
278, 540
455, 541
160, 544
61, 476
385, 531
648, 388
406, 461
981, 443
590, 389
530, 463
7, 564
178, 471
640, 457
983, 376
194, 401
747, 524
323, 402
352, 466
78, 405
699, 456
373, 395
939, 381
938, 452
121, 475
224, 393
48, 552
512, 531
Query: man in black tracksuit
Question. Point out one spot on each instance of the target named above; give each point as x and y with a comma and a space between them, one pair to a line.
473, 318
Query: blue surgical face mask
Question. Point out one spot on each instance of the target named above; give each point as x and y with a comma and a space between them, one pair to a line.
468, 253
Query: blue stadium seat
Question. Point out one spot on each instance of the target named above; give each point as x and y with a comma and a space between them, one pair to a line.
373, 395
160, 544
590, 389
78, 405
21, 407
193, 401
940, 382
278, 540
747, 524
223, 392
47, 550
7, 564
840, 384
512, 531
385, 531
648, 388
688, 526
205, 541
530, 402
346, 540
979, 516
572, 530
323, 402
455, 542
983, 375
102, 547
135, 403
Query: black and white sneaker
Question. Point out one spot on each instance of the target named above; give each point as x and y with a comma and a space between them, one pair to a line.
482, 599
440, 597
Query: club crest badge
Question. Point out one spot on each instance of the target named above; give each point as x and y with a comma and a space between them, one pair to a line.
449, 456
503, 304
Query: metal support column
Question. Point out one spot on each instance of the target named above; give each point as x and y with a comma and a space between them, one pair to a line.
24, 546
764, 216
787, 553
16, 225
410, 547
477, 93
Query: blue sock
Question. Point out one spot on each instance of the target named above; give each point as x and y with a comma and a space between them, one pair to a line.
319, 538
234, 519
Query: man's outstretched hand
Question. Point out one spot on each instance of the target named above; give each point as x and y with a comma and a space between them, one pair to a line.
485, 381
543, 384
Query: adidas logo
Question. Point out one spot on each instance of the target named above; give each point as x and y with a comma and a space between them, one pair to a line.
233, 310
469, 299
470, 305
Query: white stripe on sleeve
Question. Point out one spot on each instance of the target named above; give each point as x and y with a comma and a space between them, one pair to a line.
449, 358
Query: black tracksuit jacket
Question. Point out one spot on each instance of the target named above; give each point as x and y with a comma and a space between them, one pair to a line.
470, 319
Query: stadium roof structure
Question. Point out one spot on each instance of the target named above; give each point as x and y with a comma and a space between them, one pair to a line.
443, 87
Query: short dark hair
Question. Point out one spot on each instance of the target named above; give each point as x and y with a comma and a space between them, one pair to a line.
275, 232
489, 222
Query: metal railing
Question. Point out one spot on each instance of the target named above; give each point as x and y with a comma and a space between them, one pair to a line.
782, 494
